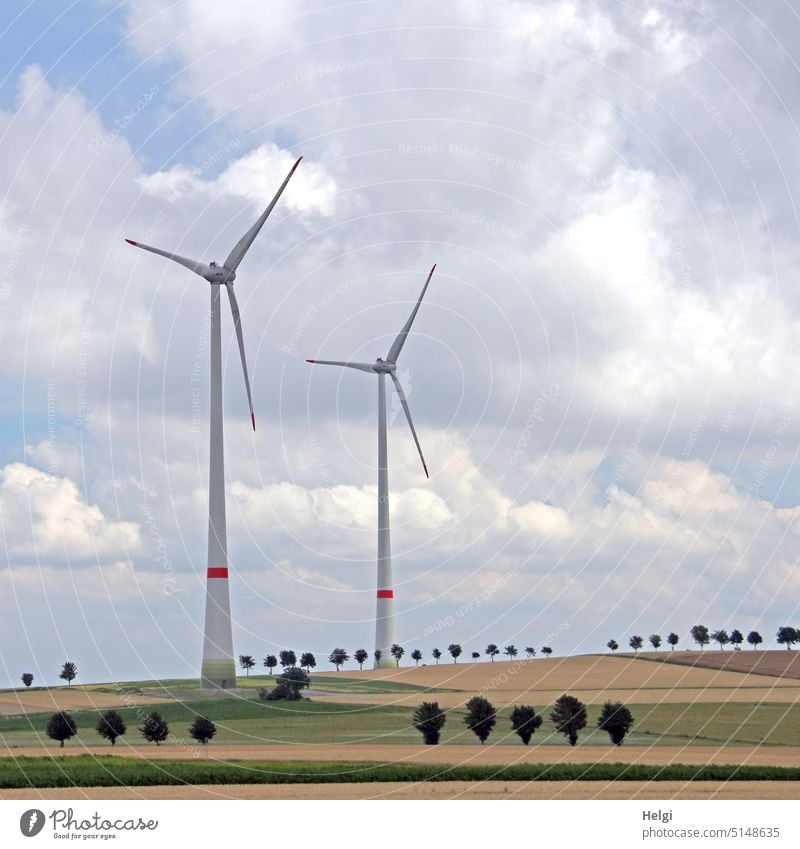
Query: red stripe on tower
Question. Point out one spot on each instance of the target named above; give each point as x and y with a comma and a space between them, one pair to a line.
218, 572
385, 593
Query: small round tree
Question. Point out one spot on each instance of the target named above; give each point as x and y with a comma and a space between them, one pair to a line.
511, 651
737, 638
721, 637
270, 661
111, 725
524, 721
476, 655
617, 720
377, 654
429, 721
155, 729
787, 636
202, 730
436, 654
416, 656
27, 679
61, 726
636, 642
754, 639
700, 635
307, 661
613, 645
492, 651
397, 652
338, 657
247, 662
569, 717
360, 656
673, 639
547, 651
655, 641
481, 717
288, 658
530, 651
455, 651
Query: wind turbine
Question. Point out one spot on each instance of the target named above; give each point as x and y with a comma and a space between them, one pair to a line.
385, 630
218, 669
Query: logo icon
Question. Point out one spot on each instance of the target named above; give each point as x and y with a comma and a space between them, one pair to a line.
31, 822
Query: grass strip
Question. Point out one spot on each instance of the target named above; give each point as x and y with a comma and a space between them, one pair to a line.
105, 771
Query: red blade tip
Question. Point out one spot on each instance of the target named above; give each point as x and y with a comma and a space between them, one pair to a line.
434, 268
253, 420
310, 361
426, 471
297, 163
131, 242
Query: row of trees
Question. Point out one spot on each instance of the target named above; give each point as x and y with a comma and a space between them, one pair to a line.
287, 658
701, 635
62, 726
568, 716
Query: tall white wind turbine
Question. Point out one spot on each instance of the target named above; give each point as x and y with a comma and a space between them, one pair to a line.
385, 629
218, 669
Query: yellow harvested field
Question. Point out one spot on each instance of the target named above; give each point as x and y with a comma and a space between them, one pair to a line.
592, 678
439, 790
445, 755
67, 698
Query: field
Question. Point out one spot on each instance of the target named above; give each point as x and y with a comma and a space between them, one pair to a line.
686, 716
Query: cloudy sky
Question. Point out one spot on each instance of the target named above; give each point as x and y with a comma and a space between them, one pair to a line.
604, 376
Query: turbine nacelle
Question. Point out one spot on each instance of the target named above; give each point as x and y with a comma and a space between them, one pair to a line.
219, 274
384, 366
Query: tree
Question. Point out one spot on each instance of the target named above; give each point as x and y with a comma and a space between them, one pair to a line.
455, 651
511, 651
247, 662
436, 653
737, 638
288, 658
337, 657
416, 656
155, 729
476, 655
700, 635
569, 717
787, 636
530, 651
673, 639
755, 639
616, 719
546, 650
287, 686
27, 679
307, 661
721, 637
69, 672
492, 651
636, 642
270, 661
202, 729
111, 725
524, 721
655, 641
429, 721
613, 645
481, 717
361, 656
61, 726
377, 654
397, 652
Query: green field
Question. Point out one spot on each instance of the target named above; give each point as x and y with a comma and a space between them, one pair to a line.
245, 721
86, 771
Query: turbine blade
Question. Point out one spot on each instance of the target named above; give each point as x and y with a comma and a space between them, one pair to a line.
237, 321
402, 396
243, 245
394, 351
198, 267
359, 366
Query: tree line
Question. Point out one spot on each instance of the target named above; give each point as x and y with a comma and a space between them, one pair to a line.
700, 634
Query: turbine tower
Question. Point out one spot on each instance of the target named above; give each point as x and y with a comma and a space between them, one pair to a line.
218, 669
385, 630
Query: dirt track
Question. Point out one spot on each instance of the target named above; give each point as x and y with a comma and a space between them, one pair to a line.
439, 790
449, 754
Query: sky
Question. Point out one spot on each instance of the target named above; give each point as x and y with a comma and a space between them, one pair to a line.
604, 374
